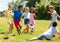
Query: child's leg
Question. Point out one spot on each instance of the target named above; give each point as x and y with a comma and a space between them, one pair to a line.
27, 21
35, 38
50, 24
27, 26
40, 37
18, 30
10, 26
17, 25
20, 25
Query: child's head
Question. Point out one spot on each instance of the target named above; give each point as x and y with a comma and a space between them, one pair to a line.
51, 8
32, 10
20, 7
54, 24
27, 9
10, 7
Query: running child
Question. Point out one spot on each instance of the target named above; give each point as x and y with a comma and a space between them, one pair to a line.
26, 15
9, 15
54, 14
32, 22
17, 18
48, 34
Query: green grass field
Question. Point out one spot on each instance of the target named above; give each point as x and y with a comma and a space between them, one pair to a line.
40, 27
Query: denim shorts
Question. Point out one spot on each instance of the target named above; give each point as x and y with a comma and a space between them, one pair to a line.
26, 21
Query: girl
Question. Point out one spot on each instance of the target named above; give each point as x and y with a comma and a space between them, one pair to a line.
9, 14
32, 22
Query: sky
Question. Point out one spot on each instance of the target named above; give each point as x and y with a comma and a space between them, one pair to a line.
4, 4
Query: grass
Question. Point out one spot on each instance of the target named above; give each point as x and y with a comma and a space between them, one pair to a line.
40, 27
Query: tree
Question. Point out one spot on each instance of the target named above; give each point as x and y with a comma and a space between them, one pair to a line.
31, 3
15, 4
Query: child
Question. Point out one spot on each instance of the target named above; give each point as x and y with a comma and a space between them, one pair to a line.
32, 22
17, 18
48, 34
26, 15
9, 14
54, 14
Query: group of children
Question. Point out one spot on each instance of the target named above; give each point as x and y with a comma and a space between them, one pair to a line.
52, 28
29, 15
16, 15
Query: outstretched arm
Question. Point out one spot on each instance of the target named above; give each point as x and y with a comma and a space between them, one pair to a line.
57, 15
5, 13
49, 12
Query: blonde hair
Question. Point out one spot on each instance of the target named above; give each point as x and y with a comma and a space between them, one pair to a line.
10, 5
51, 7
26, 8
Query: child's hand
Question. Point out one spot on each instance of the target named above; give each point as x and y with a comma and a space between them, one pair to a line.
48, 12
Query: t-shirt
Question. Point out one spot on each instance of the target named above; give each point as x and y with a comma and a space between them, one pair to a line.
17, 15
26, 15
50, 32
54, 17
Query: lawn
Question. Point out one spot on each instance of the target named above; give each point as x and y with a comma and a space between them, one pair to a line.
40, 27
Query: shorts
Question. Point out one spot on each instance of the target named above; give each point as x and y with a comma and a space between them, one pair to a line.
10, 21
17, 23
26, 21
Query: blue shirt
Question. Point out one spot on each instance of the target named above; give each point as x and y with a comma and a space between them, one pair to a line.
17, 15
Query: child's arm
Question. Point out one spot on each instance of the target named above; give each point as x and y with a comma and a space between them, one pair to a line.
5, 13
12, 14
57, 15
22, 15
35, 15
49, 12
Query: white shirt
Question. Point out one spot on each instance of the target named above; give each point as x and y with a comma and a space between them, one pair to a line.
50, 32
54, 17
26, 15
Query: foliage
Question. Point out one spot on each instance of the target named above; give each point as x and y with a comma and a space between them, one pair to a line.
15, 4
41, 7
31, 3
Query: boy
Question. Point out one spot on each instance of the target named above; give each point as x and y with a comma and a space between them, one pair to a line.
9, 14
48, 34
54, 14
17, 18
26, 15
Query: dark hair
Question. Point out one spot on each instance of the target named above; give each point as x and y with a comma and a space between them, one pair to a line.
20, 6
32, 9
54, 24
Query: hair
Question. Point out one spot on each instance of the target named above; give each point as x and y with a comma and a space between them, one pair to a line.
10, 5
51, 7
26, 8
32, 9
54, 24
20, 6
